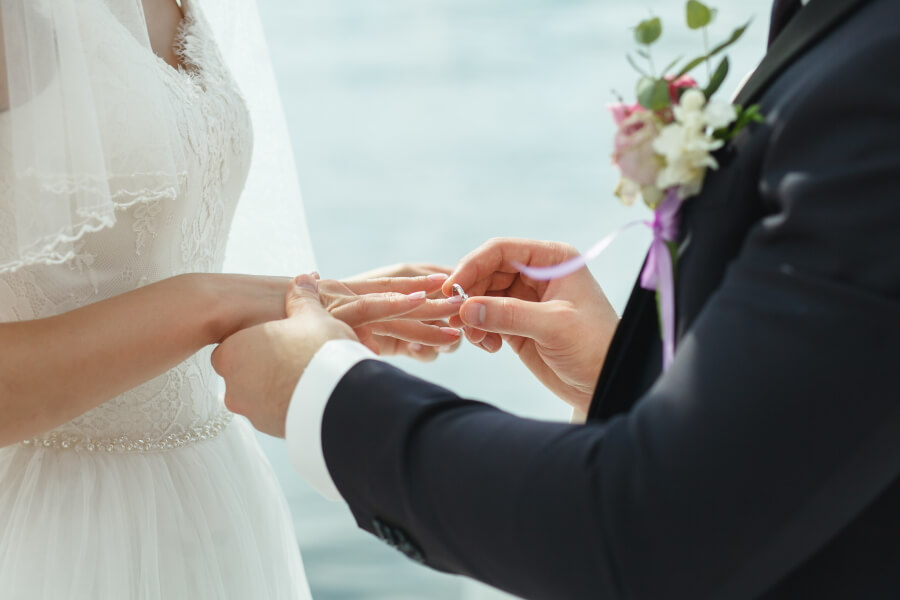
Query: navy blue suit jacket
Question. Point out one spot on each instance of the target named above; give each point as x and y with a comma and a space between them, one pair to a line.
766, 462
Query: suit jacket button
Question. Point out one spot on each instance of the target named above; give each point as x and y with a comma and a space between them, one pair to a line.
383, 532
416, 556
397, 538
409, 548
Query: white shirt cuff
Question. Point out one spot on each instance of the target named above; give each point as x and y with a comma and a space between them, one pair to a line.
578, 417
303, 428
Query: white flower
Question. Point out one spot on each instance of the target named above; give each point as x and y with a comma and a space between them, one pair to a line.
693, 100
718, 114
652, 196
693, 111
627, 191
689, 111
687, 144
687, 150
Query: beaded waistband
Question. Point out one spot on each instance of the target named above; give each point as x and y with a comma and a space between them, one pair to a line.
66, 441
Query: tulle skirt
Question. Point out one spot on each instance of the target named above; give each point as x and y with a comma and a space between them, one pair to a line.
206, 521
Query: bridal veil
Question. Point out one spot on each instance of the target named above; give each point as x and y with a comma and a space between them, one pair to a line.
77, 82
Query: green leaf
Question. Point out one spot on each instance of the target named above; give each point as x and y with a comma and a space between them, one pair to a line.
648, 31
690, 66
735, 36
637, 68
653, 94
671, 65
752, 114
746, 116
717, 79
698, 14
673, 251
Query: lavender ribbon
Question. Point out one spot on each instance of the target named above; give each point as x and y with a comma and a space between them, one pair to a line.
658, 273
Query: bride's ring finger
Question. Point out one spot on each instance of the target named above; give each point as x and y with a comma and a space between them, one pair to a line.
419, 333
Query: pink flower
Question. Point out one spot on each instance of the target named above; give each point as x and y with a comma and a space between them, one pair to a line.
620, 111
676, 85
634, 153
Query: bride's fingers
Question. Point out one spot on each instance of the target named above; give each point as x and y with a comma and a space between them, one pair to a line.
371, 308
428, 353
361, 310
390, 346
418, 333
368, 339
420, 352
403, 285
432, 310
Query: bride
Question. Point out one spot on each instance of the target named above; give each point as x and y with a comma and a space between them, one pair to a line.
128, 131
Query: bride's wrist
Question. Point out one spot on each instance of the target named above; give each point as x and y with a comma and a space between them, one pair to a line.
235, 302
214, 312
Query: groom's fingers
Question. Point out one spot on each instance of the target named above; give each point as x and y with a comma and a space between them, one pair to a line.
542, 321
418, 333
491, 266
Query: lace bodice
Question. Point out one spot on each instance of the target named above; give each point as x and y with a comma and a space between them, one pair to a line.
152, 241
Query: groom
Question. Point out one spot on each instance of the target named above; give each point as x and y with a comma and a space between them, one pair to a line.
765, 463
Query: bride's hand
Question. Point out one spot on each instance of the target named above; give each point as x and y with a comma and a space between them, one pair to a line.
394, 315
388, 345
237, 301
373, 307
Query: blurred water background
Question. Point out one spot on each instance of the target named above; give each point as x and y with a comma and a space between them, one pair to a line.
421, 129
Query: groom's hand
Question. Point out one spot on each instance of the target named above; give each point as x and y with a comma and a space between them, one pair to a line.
560, 329
262, 365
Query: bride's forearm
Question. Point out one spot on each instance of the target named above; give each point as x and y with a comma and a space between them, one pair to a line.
54, 369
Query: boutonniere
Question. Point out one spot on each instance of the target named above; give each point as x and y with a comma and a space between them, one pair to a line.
663, 148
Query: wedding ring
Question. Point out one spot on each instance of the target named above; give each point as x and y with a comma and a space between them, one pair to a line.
459, 291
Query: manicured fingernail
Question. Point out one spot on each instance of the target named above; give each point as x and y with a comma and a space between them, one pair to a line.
438, 277
305, 282
455, 300
490, 344
414, 347
445, 349
451, 331
417, 296
315, 275
476, 313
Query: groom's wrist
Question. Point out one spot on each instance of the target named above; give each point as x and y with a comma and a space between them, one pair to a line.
303, 429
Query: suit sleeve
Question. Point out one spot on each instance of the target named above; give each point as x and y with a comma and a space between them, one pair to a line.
777, 424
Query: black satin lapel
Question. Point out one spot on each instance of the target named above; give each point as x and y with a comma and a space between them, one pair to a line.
812, 23
640, 311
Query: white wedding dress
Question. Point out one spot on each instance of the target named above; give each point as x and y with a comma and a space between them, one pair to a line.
158, 493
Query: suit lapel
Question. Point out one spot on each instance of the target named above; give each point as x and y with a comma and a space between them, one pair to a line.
622, 375
614, 394
804, 30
